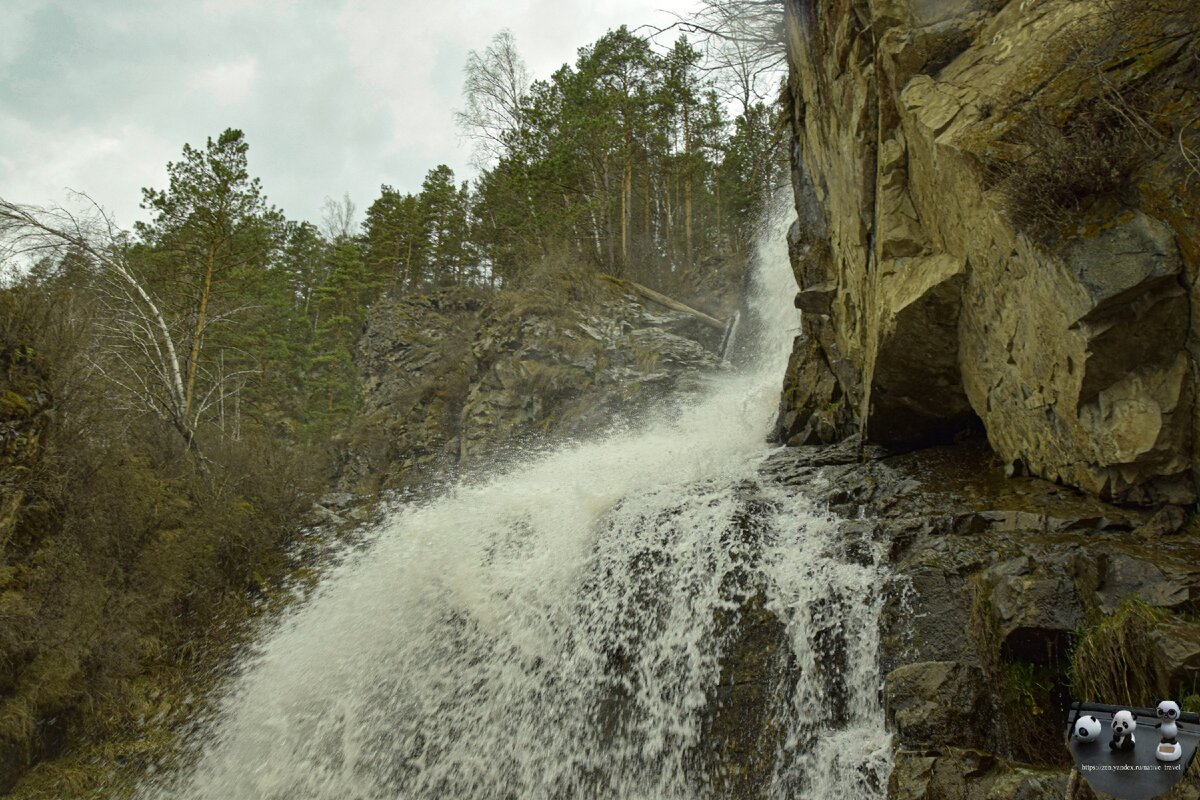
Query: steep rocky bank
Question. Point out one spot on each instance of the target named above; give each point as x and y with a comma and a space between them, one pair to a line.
452, 380
956, 267
460, 377
998, 238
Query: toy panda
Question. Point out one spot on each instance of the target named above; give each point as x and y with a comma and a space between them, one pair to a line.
1087, 729
1168, 749
1123, 725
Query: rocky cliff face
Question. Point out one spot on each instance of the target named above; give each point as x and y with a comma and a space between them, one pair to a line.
460, 377
999, 233
998, 228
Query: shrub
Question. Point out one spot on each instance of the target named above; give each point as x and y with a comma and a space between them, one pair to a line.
126, 559
1068, 165
1069, 157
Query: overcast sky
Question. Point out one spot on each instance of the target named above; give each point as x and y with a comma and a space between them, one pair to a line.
334, 95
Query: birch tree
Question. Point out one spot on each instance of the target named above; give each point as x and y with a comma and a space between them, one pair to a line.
495, 88
139, 350
743, 43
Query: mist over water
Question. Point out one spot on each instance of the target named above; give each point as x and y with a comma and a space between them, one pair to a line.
554, 632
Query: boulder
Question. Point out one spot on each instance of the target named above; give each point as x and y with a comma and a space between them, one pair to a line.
1167, 520
1177, 651
970, 775
815, 299
1157, 581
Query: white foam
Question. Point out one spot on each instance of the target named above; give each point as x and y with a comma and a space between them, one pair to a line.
552, 632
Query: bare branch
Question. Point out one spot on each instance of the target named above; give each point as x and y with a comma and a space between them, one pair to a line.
139, 320
495, 88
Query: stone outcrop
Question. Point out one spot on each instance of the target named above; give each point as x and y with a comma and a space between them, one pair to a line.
460, 377
937, 703
954, 275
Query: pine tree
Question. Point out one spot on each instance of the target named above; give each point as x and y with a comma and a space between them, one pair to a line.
211, 232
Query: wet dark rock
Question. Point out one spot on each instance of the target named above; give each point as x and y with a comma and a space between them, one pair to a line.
958, 774
937, 703
816, 299
990, 579
1034, 606
740, 728
817, 407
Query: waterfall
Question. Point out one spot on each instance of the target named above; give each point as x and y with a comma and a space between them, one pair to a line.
558, 630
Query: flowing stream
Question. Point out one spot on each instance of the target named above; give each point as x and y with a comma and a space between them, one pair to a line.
558, 630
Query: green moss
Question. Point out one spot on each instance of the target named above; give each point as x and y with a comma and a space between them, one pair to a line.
13, 405
1022, 693
1026, 688
1024, 696
983, 626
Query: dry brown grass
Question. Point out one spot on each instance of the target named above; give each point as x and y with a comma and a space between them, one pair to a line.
1113, 659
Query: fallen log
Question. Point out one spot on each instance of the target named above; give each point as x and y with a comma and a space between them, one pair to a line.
660, 298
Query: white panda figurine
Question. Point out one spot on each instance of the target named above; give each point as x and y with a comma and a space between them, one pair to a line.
1087, 729
1168, 749
1123, 725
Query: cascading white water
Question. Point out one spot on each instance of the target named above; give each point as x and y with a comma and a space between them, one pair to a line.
553, 632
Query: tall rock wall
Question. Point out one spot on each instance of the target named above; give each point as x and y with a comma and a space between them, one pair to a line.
458, 379
999, 227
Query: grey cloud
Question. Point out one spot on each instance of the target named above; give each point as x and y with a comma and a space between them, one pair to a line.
98, 96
